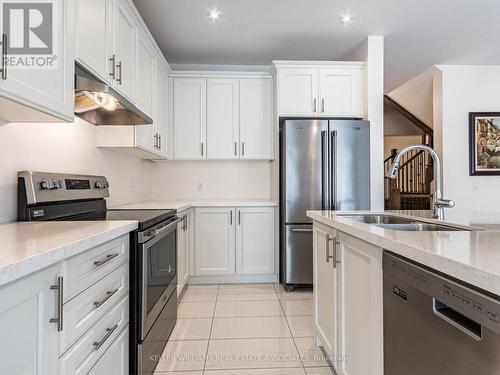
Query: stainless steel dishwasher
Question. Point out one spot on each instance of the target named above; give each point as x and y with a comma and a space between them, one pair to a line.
436, 326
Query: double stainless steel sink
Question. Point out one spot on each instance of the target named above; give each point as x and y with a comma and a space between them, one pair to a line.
402, 224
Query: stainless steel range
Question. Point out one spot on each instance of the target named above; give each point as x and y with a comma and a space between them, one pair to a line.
153, 252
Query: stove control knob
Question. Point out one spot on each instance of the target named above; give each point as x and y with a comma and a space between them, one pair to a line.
56, 184
46, 184
101, 185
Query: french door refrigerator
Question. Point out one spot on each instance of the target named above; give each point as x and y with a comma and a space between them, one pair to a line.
324, 165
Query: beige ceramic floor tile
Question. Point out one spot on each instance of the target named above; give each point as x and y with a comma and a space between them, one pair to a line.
297, 294
268, 371
244, 286
311, 355
250, 327
319, 371
192, 329
297, 307
247, 293
178, 373
252, 353
187, 310
202, 286
301, 326
183, 356
247, 308
199, 295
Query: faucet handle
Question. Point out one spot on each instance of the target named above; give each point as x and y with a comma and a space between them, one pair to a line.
444, 203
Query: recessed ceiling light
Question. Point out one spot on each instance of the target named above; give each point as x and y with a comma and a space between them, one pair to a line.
213, 14
346, 19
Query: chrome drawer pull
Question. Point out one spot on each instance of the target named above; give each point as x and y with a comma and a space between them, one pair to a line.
60, 301
98, 344
99, 263
109, 294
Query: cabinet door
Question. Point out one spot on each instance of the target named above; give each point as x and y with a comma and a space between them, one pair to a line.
297, 92
160, 119
325, 294
341, 92
188, 245
189, 118
222, 118
182, 253
214, 252
49, 88
145, 91
115, 360
30, 341
256, 118
255, 240
94, 36
360, 307
125, 46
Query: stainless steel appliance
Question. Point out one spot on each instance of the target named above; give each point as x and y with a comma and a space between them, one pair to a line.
99, 104
434, 325
324, 165
153, 252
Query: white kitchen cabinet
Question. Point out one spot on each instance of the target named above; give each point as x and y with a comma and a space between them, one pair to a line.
320, 89
161, 113
189, 118
223, 131
125, 48
214, 252
341, 92
359, 307
43, 94
94, 42
183, 250
115, 360
298, 91
30, 341
255, 240
145, 74
325, 289
256, 118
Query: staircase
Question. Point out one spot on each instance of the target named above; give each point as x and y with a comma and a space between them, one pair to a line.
411, 190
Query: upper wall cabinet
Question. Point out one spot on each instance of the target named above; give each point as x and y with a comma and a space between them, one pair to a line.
42, 93
189, 118
333, 89
222, 117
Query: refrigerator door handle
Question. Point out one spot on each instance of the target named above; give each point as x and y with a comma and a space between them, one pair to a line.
325, 180
333, 166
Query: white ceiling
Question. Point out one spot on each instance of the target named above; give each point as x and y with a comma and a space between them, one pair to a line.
418, 33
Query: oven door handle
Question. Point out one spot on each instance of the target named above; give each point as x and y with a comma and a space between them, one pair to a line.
167, 227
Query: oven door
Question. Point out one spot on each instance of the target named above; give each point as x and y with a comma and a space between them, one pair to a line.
159, 274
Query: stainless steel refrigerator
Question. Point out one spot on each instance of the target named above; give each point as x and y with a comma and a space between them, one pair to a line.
324, 165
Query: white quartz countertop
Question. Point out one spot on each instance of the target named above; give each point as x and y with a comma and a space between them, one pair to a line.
473, 257
27, 247
181, 205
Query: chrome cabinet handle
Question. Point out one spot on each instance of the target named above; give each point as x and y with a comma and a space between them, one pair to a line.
119, 66
109, 294
243, 148
60, 302
202, 149
334, 255
231, 217
99, 263
323, 105
4, 56
314, 105
235, 148
159, 142
155, 141
113, 66
239, 217
327, 249
109, 332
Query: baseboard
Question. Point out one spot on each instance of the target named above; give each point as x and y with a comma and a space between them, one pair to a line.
240, 279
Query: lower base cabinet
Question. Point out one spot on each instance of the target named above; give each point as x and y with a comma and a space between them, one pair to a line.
115, 360
348, 305
234, 241
184, 244
30, 341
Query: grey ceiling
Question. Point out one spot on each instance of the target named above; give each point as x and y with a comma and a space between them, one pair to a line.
418, 33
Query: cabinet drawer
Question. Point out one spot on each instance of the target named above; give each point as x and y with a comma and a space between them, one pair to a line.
83, 270
115, 360
89, 306
80, 358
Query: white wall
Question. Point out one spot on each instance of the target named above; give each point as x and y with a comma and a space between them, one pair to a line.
395, 124
220, 179
66, 148
458, 91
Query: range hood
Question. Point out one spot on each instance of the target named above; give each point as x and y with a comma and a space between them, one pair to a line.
99, 104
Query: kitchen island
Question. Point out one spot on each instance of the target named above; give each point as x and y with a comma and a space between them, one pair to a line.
349, 278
